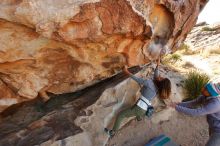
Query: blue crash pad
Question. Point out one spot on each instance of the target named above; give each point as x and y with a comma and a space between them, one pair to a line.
161, 140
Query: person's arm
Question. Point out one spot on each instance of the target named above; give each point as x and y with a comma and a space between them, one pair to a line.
138, 80
209, 108
156, 71
192, 102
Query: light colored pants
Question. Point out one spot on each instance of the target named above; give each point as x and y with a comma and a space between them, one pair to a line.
214, 140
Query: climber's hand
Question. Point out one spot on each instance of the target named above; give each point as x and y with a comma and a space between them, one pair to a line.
158, 61
173, 104
125, 69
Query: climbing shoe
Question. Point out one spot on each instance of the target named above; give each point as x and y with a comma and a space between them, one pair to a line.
111, 133
138, 118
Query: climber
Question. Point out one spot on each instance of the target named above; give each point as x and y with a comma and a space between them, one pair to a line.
209, 102
149, 89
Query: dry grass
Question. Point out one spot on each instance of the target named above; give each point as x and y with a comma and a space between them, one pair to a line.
171, 58
208, 29
183, 47
185, 50
208, 51
215, 51
188, 65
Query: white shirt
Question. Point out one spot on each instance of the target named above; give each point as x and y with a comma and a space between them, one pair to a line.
143, 103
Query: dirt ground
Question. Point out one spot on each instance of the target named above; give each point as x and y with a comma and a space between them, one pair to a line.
184, 130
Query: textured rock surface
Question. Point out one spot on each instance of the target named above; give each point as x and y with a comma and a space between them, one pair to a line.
62, 46
204, 38
78, 43
31, 64
79, 118
90, 20
35, 122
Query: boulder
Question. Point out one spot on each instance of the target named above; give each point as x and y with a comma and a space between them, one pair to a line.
63, 46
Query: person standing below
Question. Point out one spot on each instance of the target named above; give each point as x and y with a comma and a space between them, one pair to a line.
149, 89
209, 105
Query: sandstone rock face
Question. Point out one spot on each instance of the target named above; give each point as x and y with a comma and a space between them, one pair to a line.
63, 46
31, 64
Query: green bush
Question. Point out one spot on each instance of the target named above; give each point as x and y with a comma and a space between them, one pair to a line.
185, 49
171, 58
183, 46
194, 83
175, 57
208, 29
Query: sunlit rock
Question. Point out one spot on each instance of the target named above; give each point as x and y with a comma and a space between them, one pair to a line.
63, 46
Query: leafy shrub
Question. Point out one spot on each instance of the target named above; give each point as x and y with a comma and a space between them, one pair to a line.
194, 83
185, 49
171, 58
175, 57
208, 29
183, 46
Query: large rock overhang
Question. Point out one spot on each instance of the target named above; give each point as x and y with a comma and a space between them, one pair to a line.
67, 45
